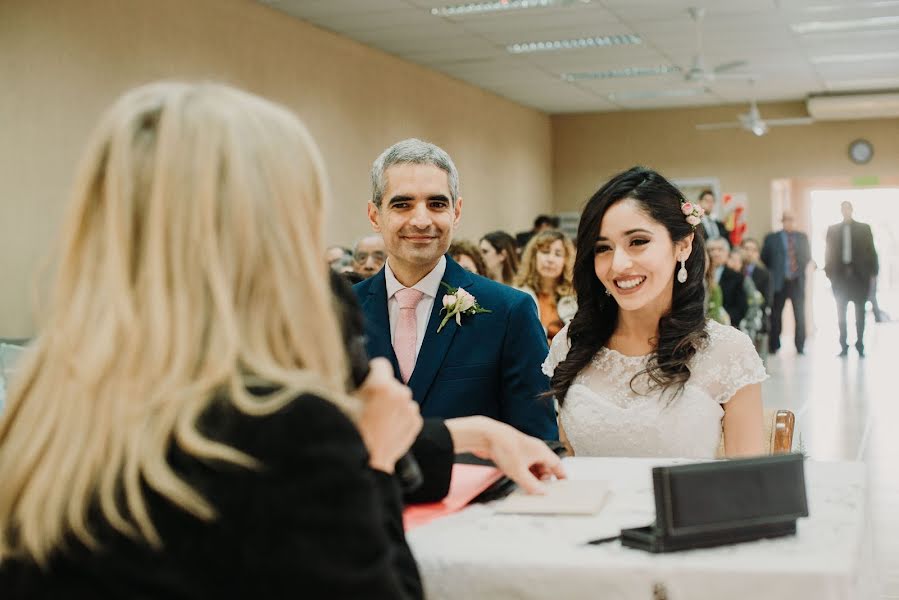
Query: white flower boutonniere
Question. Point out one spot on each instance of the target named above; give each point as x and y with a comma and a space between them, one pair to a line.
458, 302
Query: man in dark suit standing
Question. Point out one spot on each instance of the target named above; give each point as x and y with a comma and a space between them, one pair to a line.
733, 293
478, 363
786, 253
850, 262
714, 229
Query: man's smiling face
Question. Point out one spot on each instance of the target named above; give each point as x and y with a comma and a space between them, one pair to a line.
417, 216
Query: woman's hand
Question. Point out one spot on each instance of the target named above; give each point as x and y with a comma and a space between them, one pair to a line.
524, 459
390, 418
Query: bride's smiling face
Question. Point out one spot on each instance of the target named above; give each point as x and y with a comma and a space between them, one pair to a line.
634, 257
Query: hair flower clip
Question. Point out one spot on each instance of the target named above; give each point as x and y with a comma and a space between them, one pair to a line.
693, 212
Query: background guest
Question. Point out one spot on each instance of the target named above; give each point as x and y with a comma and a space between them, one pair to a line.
786, 254
468, 256
339, 258
546, 275
714, 300
714, 229
850, 264
500, 256
731, 282
541, 223
369, 255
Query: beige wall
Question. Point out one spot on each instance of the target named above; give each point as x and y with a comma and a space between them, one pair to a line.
63, 61
588, 148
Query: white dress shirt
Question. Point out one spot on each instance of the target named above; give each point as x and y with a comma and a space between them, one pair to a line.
429, 285
847, 244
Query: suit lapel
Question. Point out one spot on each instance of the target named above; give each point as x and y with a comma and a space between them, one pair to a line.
436, 345
377, 326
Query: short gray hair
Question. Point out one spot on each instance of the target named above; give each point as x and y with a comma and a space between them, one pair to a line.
412, 152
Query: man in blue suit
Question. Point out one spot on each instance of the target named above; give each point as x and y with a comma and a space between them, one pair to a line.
786, 253
487, 363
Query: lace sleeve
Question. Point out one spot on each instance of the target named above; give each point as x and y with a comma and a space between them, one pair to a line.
557, 352
727, 363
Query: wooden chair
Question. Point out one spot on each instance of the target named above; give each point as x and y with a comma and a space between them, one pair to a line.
779, 425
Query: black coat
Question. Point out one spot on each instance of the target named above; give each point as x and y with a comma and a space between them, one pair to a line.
315, 522
733, 295
854, 278
761, 278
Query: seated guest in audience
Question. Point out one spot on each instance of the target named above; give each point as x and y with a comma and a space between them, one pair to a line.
500, 256
468, 256
713, 228
338, 257
714, 300
754, 268
640, 370
751, 324
484, 360
731, 282
541, 223
545, 275
180, 427
369, 255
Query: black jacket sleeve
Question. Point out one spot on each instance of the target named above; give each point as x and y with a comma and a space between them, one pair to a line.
433, 449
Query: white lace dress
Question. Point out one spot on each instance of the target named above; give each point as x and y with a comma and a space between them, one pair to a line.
603, 416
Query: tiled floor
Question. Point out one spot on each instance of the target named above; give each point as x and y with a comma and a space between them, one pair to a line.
848, 409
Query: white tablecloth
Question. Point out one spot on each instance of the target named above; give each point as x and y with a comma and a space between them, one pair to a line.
479, 554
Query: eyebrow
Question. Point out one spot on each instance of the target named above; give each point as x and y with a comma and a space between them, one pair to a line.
406, 198
628, 232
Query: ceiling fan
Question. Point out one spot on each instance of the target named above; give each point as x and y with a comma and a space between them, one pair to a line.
752, 121
698, 72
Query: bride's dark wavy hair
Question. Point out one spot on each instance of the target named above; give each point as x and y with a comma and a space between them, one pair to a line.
681, 330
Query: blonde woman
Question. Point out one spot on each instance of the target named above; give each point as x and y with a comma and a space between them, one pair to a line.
545, 273
179, 427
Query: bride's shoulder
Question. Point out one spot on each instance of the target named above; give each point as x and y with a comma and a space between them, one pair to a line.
724, 340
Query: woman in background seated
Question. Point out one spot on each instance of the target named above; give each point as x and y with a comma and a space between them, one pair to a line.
500, 256
714, 298
180, 427
467, 255
640, 370
546, 274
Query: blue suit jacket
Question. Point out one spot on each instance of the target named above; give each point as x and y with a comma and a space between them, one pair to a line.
774, 255
490, 365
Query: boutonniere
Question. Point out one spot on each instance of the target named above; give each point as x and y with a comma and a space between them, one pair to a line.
458, 302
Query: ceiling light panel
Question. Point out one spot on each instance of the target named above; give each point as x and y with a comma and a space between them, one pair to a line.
845, 25
625, 72
603, 41
480, 8
865, 57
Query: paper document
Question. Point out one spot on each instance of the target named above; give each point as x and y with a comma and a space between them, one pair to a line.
563, 497
467, 482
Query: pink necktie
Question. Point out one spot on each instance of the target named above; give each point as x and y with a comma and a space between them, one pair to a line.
406, 336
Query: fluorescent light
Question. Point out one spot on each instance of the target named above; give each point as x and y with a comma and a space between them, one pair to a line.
625, 72
849, 25
648, 95
476, 8
578, 43
842, 7
852, 58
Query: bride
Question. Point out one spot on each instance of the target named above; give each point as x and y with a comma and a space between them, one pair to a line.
640, 371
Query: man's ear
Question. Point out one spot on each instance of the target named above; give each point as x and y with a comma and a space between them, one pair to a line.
458, 212
374, 216
684, 247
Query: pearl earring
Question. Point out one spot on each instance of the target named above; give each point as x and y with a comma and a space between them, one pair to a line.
682, 272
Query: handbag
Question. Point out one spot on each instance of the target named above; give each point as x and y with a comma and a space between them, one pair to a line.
723, 502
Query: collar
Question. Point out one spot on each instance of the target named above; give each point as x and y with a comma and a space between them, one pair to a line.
429, 285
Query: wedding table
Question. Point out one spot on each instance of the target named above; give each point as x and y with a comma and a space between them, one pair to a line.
479, 554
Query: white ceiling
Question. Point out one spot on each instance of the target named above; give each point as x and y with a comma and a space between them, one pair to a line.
786, 65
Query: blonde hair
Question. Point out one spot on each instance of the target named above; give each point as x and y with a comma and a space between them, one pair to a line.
528, 276
190, 264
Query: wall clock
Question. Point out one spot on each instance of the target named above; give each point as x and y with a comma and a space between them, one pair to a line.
861, 151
